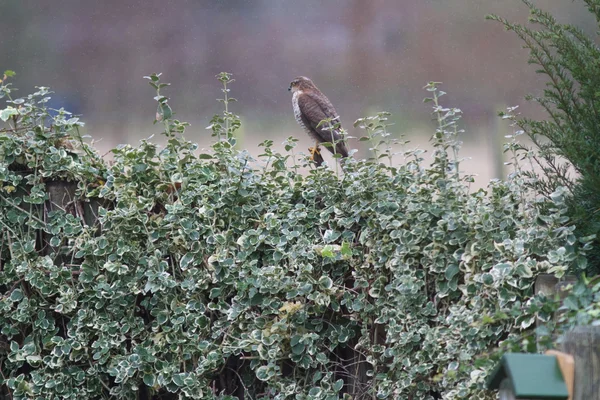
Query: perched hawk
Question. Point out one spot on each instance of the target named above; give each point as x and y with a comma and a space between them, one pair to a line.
310, 108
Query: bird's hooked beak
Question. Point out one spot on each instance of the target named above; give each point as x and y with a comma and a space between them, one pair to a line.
290, 88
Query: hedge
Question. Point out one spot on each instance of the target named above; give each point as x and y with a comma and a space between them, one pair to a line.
169, 273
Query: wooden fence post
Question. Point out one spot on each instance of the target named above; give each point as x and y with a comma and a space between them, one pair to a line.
583, 343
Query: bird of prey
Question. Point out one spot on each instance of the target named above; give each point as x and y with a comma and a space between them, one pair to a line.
310, 108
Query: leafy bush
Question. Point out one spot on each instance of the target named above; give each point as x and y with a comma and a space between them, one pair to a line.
567, 144
215, 275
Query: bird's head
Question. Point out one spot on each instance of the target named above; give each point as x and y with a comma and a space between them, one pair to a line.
300, 83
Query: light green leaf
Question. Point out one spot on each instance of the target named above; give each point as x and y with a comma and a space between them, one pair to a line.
7, 113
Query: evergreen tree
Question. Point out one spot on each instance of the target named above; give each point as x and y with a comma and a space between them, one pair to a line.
568, 142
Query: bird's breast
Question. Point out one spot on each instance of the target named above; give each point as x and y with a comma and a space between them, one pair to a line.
297, 112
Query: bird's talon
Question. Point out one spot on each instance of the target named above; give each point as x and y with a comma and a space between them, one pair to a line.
315, 155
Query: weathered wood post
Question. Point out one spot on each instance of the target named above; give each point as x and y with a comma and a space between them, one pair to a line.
583, 343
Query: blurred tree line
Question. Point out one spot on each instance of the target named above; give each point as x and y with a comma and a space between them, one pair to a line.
367, 55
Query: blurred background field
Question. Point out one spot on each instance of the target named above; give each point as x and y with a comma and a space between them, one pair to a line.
365, 55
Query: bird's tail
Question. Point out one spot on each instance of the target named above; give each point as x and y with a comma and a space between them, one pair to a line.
341, 148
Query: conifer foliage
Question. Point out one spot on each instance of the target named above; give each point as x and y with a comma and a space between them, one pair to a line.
567, 144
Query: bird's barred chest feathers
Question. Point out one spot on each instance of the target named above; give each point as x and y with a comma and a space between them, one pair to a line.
297, 112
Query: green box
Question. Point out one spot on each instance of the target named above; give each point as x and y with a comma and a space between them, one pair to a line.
530, 376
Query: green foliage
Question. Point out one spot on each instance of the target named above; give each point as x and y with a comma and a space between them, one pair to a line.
215, 275
568, 143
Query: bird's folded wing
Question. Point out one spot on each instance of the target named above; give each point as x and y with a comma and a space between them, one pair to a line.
314, 109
